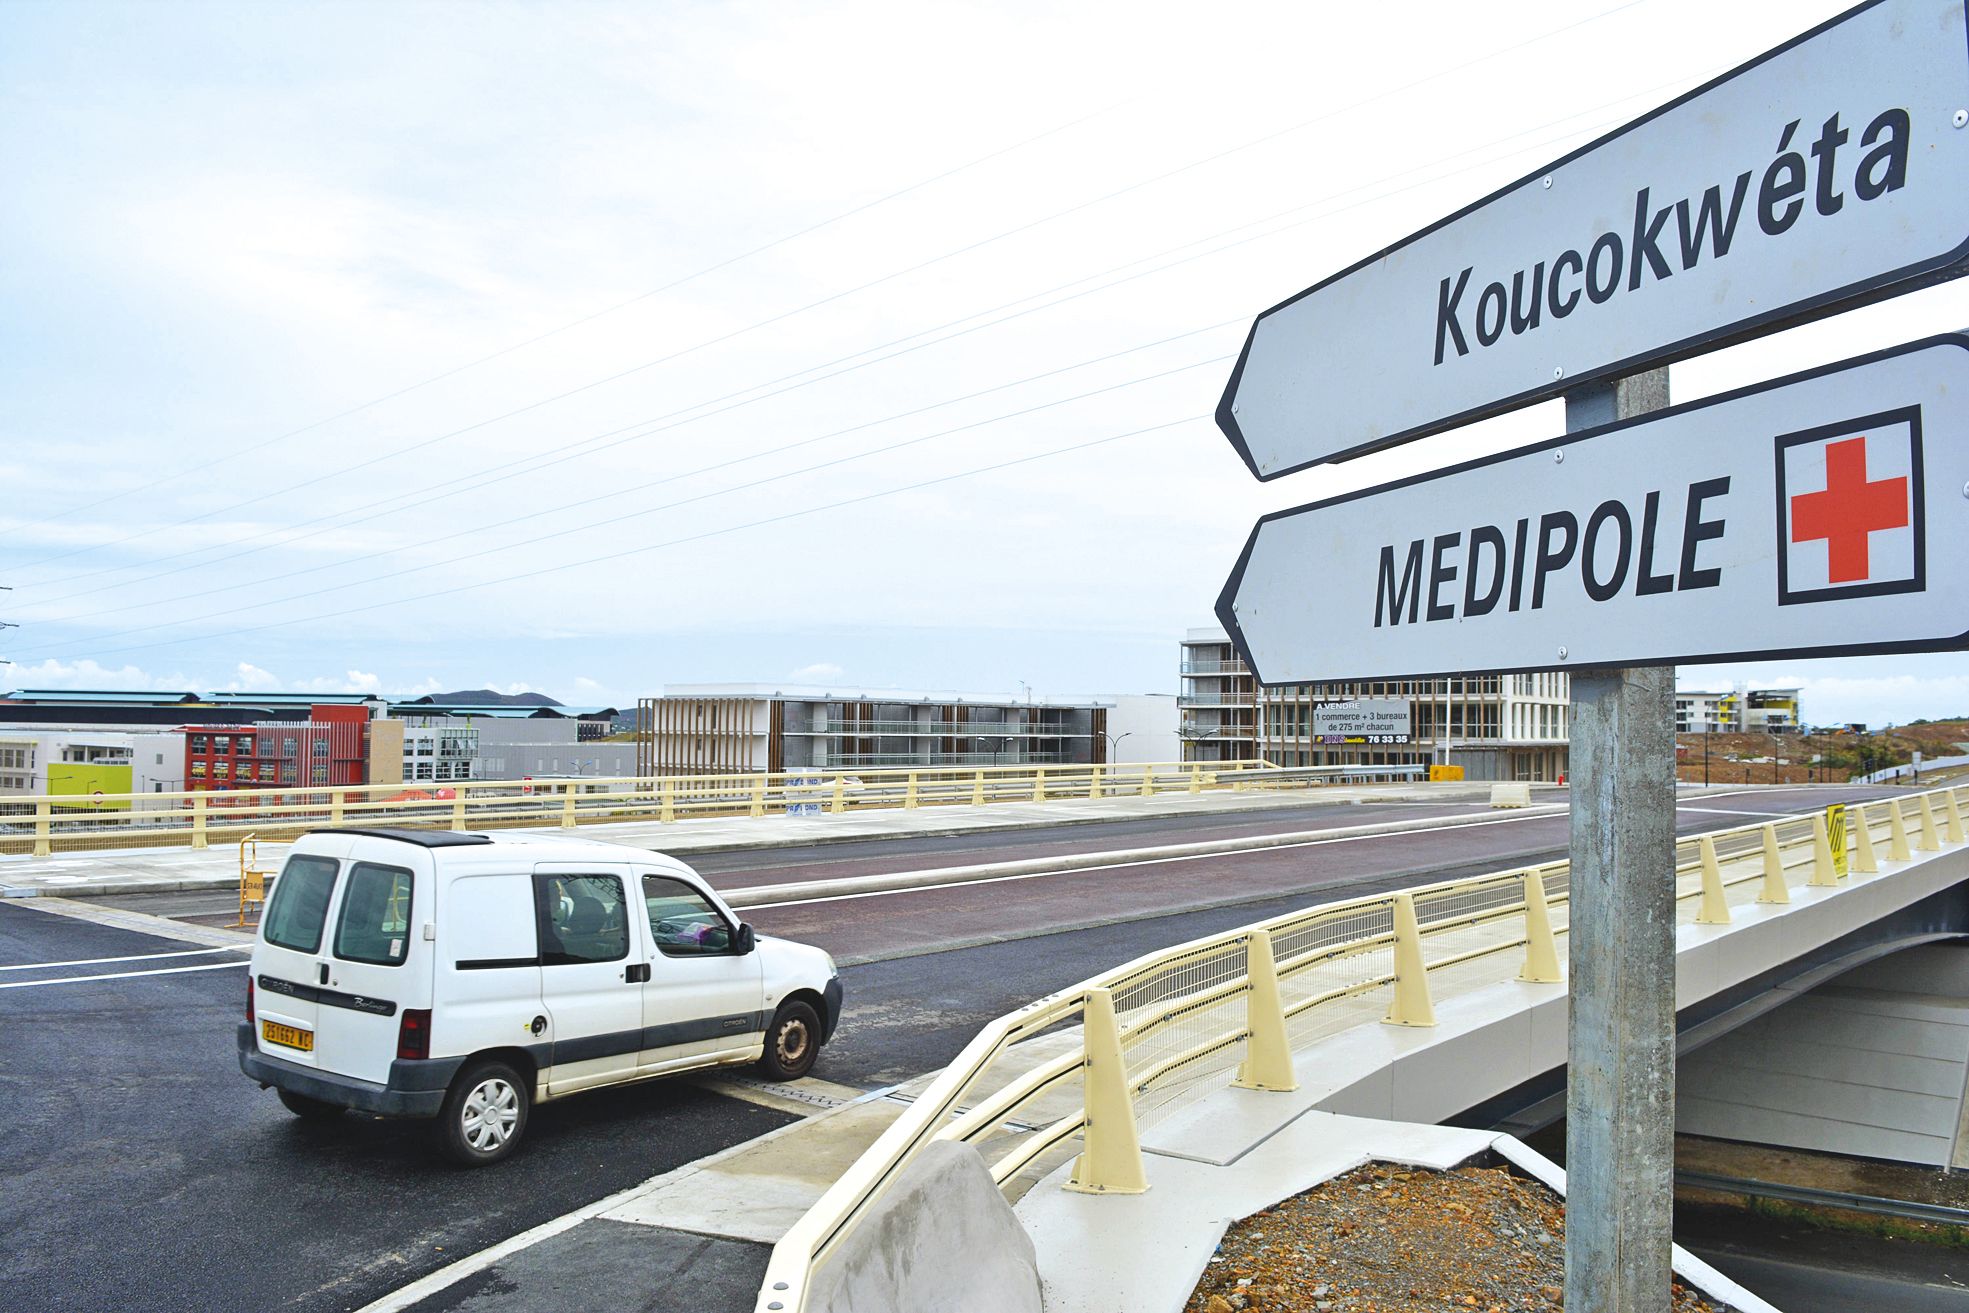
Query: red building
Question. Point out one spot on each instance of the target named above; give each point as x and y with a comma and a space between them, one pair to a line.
331, 747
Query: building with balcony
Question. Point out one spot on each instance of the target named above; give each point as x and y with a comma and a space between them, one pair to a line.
1741, 711
712, 729
1496, 727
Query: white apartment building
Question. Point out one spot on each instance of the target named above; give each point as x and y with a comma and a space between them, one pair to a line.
1497, 727
1742, 710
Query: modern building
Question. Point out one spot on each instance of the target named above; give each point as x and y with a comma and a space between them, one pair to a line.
711, 729
1496, 727
1217, 705
1743, 710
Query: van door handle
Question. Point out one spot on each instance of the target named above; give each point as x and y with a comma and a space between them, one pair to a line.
637, 974
323, 978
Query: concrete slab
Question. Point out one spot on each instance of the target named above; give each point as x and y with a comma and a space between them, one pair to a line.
602, 1266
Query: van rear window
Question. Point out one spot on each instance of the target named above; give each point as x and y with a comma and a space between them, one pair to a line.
300, 903
375, 922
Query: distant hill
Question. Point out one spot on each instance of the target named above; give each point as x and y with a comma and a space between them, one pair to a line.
485, 697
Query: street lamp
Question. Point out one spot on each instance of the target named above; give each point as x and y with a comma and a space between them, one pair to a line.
1114, 742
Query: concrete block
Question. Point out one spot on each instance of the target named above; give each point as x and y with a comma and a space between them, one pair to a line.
942, 1240
1510, 795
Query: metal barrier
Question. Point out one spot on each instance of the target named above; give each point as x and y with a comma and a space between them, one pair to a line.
42, 826
1082, 1071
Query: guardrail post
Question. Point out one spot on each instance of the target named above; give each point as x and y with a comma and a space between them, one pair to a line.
840, 803
567, 805
1775, 890
666, 800
1094, 789
1824, 874
44, 813
977, 787
1196, 777
1930, 842
1541, 949
1864, 861
1410, 1006
1951, 817
1039, 784
758, 807
1715, 908
1267, 1061
1148, 780
1897, 849
458, 809
335, 807
1112, 1161
198, 820
909, 793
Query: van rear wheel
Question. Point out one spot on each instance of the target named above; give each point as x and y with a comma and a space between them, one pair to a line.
484, 1114
792, 1042
313, 1110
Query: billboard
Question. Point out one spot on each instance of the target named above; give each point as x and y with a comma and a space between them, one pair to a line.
1364, 720
87, 785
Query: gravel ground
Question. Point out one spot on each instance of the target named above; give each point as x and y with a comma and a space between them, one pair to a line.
1387, 1239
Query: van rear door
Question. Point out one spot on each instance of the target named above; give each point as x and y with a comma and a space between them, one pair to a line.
288, 963
371, 979
488, 966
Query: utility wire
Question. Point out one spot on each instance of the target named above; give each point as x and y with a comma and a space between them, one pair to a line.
342, 612
852, 291
615, 437
572, 324
590, 525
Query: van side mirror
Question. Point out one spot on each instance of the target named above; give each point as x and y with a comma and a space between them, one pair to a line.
747, 941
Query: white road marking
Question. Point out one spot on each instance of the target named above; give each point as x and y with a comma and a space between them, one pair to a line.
120, 975
1731, 811
132, 957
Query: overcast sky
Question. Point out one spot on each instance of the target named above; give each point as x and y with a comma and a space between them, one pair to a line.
590, 347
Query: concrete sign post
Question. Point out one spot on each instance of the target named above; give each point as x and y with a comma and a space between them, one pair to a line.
1832, 171
1813, 516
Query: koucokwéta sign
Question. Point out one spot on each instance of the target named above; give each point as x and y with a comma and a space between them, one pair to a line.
1820, 515
1832, 171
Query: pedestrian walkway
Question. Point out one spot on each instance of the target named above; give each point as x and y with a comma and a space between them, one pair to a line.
165, 870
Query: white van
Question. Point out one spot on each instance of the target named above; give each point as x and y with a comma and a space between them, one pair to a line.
416, 973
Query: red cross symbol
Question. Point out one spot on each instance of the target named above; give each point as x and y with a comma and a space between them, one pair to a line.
1848, 510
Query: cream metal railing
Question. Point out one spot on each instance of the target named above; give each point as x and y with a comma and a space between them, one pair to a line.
43, 826
1082, 1071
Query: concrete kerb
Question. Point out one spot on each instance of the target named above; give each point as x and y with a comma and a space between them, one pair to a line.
890, 882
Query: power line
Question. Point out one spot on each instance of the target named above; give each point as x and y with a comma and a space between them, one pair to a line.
673, 542
572, 324
588, 526
616, 437
875, 282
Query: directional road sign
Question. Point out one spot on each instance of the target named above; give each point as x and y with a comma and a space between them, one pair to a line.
1820, 515
1830, 172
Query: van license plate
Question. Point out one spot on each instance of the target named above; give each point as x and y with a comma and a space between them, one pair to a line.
291, 1036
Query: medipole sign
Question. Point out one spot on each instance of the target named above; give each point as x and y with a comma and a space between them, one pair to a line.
1363, 720
1820, 515
1832, 171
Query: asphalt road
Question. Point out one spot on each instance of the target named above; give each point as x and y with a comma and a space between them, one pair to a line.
141, 1171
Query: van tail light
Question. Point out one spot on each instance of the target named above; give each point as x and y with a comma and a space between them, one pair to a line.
249, 998
414, 1034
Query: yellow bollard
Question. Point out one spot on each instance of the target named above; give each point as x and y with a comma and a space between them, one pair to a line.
1897, 849
1715, 907
1267, 1061
1541, 950
1931, 842
1824, 873
1951, 817
1112, 1161
1861, 827
1410, 1006
1774, 890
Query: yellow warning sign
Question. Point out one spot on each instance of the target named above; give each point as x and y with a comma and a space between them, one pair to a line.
1835, 829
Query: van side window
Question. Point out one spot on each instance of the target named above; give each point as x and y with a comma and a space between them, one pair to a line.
490, 922
375, 922
581, 919
682, 921
300, 903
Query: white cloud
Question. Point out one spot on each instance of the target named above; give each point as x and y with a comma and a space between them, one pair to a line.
819, 671
53, 673
249, 678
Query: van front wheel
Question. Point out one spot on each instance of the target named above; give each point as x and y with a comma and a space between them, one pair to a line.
792, 1042
484, 1114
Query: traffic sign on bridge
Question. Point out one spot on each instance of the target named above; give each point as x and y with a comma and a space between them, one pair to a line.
1832, 171
1813, 516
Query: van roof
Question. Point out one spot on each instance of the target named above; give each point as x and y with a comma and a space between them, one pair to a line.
540, 847
422, 838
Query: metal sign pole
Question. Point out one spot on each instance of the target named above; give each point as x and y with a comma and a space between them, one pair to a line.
1620, 1082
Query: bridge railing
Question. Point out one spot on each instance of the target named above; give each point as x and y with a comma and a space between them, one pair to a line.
43, 826
1085, 1070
